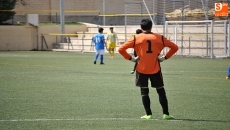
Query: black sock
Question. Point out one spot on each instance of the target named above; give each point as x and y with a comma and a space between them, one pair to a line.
146, 103
163, 100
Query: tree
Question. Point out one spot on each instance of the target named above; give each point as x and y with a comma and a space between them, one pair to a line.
6, 6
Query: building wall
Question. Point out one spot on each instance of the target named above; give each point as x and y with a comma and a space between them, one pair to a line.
48, 10
113, 6
16, 38
25, 37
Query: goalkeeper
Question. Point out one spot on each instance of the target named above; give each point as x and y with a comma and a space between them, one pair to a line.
148, 47
138, 31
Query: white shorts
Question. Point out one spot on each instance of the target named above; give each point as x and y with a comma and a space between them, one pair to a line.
100, 52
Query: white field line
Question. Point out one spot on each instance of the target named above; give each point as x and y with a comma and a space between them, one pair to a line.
72, 119
195, 71
78, 119
13, 55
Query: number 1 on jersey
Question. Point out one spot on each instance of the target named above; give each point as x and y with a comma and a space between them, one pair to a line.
149, 47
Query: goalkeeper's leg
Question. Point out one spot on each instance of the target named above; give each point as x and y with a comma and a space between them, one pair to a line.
157, 82
164, 103
134, 68
163, 100
146, 100
142, 81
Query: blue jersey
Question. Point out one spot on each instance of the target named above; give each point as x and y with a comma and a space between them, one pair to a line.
98, 39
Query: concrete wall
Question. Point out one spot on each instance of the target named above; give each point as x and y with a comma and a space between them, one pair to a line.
25, 37
48, 11
16, 38
112, 6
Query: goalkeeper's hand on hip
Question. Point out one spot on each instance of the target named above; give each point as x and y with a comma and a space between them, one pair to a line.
161, 58
134, 59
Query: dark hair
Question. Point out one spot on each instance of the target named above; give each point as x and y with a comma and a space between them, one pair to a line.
146, 24
138, 31
100, 30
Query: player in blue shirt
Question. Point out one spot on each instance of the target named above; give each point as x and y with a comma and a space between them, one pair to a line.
228, 77
100, 45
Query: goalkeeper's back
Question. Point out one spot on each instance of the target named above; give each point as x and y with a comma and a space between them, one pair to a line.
148, 46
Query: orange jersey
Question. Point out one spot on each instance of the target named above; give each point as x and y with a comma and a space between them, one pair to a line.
148, 47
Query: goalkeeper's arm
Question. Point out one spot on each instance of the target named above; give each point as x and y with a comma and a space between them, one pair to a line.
173, 49
122, 50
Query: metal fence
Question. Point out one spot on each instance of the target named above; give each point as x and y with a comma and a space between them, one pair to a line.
200, 38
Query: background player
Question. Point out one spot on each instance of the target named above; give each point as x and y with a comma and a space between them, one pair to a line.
100, 45
148, 47
228, 76
111, 40
138, 31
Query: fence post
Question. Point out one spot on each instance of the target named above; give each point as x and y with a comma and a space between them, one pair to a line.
207, 39
225, 37
165, 30
83, 36
42, 41
189, 42
212, 40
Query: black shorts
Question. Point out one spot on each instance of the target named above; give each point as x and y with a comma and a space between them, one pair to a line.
155, 79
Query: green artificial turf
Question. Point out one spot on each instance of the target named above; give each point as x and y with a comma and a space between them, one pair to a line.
66, 91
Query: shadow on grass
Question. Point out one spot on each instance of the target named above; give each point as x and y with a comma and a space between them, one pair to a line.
200, 120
